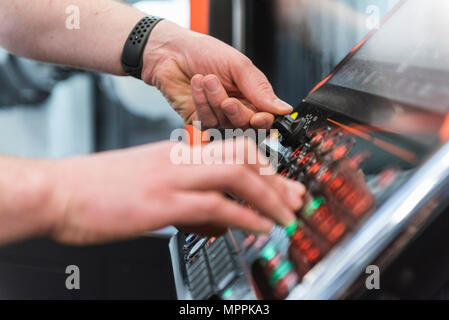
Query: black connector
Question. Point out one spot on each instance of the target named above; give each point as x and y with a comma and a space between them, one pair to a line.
292, 131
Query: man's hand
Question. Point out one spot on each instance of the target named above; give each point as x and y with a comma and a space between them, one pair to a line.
122, 194
206, 80
203, 78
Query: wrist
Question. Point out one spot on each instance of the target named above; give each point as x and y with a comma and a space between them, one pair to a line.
164, 44
25, 197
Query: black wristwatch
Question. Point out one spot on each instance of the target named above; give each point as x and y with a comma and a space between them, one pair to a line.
132, 56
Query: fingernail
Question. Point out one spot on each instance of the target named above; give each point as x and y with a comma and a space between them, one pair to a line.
295, 194
231, 109
211, 84
283, 106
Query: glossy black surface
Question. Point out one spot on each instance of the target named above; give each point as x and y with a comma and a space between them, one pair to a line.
297, 43
398, 79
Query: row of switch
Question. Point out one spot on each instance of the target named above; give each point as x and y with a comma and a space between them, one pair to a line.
280, 272
210, 265
336, 199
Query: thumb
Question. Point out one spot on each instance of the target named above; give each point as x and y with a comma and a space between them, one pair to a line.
254, 85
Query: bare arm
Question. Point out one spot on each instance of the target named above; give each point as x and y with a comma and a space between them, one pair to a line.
202, 78
37, 29
120, 194
24, 198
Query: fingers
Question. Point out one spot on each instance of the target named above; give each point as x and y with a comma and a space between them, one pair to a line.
216, 94
237, 113
214, 208
214, 107
262, 120
292, 192
255, 87
272, 196
203, 110
246, 185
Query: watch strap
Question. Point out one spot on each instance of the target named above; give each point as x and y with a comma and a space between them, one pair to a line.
132, 56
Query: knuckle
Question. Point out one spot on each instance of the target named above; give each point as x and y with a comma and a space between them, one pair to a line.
264, 86
246, 62
270, 200
212, 205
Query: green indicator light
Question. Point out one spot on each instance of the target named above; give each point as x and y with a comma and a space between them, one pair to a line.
291, 228
313, 205
269, 252
280, 272
227, 293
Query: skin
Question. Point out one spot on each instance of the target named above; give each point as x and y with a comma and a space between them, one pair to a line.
120, 194
211, 82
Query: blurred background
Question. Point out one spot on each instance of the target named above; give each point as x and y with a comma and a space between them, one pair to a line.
50, 111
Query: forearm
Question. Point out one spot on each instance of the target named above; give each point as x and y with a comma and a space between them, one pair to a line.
25, 198
37, 29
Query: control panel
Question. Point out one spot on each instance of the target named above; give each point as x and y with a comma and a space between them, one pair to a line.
333, 158
370, 145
